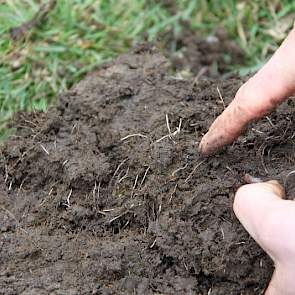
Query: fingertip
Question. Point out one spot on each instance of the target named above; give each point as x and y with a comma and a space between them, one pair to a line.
201, 147
210, 143
255, 205
205, 147
256, 196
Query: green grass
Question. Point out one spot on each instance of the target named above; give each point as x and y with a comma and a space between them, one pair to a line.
79, 35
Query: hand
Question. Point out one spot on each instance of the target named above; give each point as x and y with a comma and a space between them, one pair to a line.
270, 220
258, 96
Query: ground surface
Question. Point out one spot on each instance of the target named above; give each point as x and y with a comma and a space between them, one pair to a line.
46, 46
102, 196
191, 54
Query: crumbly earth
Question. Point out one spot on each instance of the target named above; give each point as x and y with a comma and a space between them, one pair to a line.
106, 193
193, 55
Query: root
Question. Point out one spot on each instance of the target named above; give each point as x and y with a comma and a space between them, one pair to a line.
44, 149
173, 193
179, 169
144, 176
133, 135
118, 168
194, 170
68, 204
262, 149
221, 98
170, 135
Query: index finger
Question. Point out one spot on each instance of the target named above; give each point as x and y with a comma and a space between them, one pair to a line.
257, 97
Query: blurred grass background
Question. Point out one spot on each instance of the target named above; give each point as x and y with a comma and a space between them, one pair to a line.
79, 35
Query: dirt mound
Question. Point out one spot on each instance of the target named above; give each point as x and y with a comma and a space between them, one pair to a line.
107, 194
193, 55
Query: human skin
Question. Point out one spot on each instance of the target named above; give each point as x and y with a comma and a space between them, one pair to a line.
257, 97
268, 218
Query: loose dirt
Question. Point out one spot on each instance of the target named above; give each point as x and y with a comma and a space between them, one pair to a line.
193, 55
106, 193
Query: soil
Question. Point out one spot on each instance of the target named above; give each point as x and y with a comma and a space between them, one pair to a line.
193, 55
100, 195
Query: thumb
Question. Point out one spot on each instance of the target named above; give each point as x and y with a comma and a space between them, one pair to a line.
254, 203
269, 219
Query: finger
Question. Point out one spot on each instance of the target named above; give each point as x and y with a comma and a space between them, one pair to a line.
255, 205
282, 282
270, 221
225, 129
258, 96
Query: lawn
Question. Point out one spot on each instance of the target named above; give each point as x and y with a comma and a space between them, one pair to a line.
78, 35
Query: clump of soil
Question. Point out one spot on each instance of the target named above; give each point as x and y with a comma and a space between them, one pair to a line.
193, 55
106, 193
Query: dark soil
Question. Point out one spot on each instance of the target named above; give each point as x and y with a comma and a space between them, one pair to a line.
85, 211
193, 55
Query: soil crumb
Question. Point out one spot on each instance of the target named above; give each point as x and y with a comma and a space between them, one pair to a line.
106, 193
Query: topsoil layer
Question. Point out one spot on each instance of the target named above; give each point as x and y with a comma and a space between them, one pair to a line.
190, 53
107, 193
